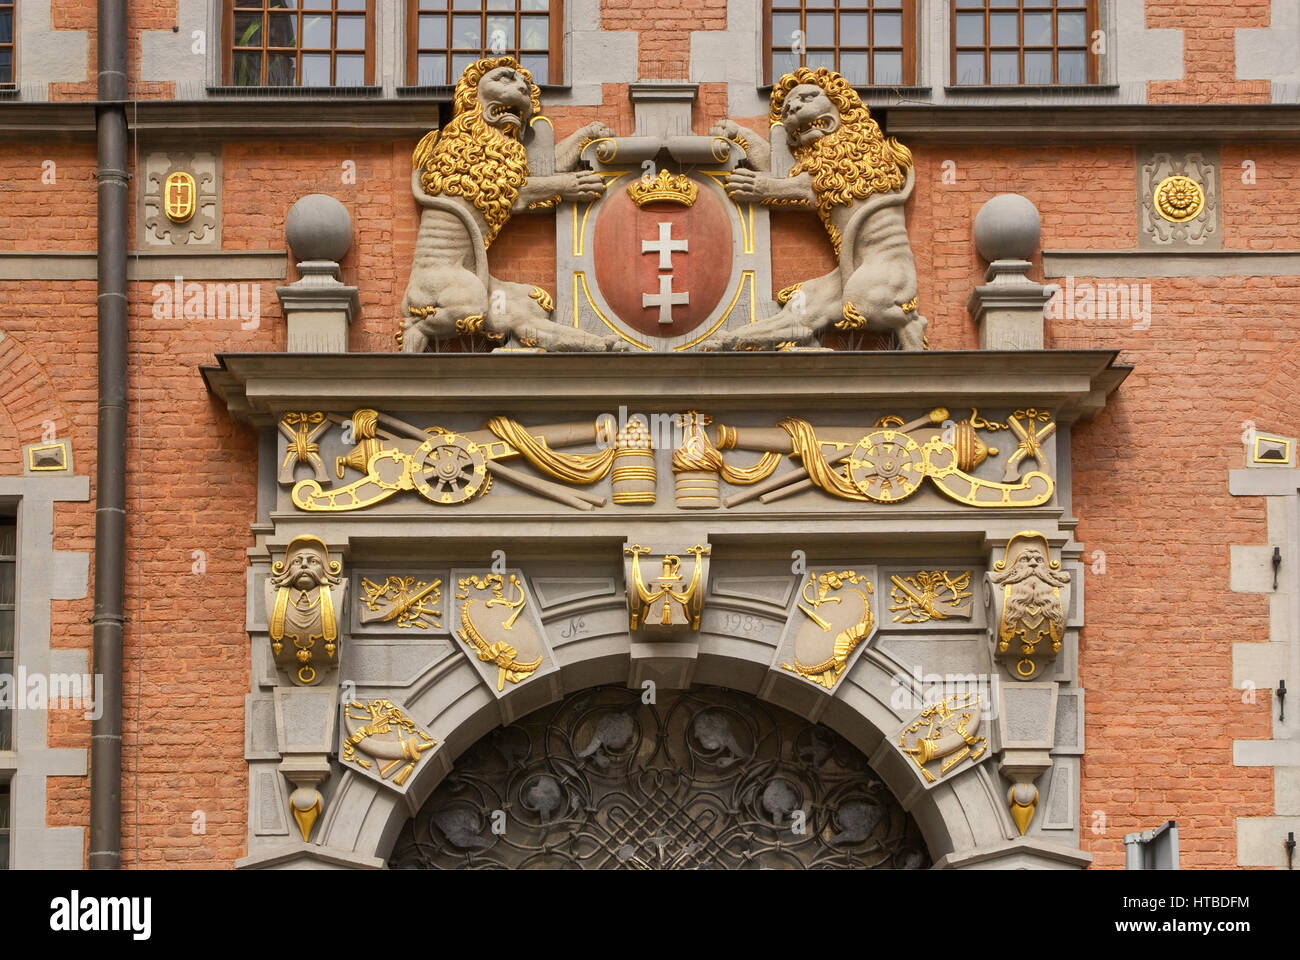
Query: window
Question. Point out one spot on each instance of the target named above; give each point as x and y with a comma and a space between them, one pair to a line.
8, 550
274, 43
7, 26
4, 826
446, 36
1007, 42
870, 42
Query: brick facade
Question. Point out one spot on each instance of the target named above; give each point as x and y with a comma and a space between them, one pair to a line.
1149, 481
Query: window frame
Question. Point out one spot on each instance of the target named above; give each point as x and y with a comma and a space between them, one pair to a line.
11, 46
9, 518
1092, 61
555, 72
228, 48
6, 829
909, 38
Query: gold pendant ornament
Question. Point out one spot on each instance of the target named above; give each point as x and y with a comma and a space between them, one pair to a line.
1023, 798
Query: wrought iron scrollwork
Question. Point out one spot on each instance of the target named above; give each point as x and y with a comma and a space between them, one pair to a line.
707, 779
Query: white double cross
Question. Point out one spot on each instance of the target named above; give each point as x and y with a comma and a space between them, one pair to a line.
665, 299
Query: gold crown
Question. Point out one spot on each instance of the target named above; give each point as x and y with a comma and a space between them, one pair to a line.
666, 188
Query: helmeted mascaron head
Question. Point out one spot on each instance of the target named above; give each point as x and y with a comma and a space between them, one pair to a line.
306, 565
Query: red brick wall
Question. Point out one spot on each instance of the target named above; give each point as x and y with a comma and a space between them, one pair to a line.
1209, 50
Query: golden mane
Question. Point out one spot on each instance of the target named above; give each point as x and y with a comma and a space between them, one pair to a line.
469, 158
852, 163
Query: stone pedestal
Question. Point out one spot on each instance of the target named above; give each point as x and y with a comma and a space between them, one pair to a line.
1009, 307
318, 309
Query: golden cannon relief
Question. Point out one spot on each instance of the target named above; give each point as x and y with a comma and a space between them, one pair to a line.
886, 462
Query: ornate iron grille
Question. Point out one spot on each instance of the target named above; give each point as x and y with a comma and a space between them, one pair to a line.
709, 779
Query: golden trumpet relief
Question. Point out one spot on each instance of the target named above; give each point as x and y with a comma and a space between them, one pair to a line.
945, 735
379, 736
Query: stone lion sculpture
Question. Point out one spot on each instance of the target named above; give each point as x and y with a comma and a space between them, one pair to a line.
469, 178
857, 181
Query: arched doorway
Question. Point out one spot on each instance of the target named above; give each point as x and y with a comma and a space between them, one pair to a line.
703, 779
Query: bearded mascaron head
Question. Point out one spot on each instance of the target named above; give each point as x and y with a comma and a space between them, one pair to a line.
480, 155
306, 565
1031, 563
833, 138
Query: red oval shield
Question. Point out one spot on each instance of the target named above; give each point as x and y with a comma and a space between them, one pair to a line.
662, 261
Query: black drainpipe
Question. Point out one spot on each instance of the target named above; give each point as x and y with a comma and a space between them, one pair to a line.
110, 477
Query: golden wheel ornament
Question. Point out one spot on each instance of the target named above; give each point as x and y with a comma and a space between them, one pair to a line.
887, 466
450, 469
1179, 199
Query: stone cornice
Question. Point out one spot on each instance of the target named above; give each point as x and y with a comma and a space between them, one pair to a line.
1094, 123
1074, 384
365, 118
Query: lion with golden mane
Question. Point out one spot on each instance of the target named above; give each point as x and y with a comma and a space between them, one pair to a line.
469, 178
857, 181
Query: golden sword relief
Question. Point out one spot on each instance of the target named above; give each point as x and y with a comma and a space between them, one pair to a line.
499, 652
930, 595
406, 602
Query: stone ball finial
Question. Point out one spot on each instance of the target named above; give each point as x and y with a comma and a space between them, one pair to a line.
1008, 227
318, 227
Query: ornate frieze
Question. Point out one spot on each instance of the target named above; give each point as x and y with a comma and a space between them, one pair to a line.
885, 463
